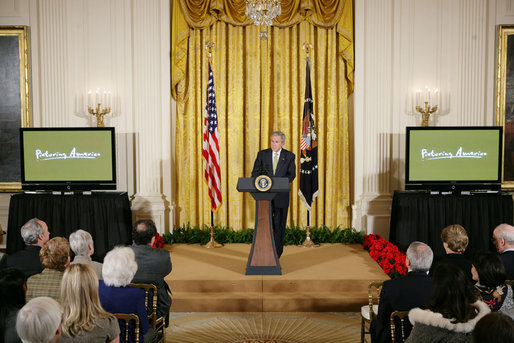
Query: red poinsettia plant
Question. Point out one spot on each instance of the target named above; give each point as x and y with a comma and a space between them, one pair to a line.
159, 241
386, 254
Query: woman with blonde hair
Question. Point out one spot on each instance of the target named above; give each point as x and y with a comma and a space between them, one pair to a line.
455, 242
84, 319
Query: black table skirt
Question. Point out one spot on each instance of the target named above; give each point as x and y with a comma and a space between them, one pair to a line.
106, 216
422, 216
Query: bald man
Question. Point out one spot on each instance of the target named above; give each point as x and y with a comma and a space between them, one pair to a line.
503, 239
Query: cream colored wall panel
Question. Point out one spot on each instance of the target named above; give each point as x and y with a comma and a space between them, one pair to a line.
14, 12
53, 40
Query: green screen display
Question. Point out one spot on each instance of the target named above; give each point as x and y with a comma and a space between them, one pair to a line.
467, 154
68, 155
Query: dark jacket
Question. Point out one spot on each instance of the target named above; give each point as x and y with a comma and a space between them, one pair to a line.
285, 168
508, 261
402, 294
153, 265
26, 260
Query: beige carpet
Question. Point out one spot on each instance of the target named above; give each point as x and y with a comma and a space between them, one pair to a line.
330, 278
264, 327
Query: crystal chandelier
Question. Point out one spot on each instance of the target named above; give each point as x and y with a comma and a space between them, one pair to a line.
262, 12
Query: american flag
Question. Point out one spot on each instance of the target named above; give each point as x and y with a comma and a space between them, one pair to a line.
211, 150
309, 148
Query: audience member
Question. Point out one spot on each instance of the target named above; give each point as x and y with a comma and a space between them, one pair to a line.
117, 296
489, 272
84, 319
81, 244
39, 321
153, 264
455, 241
494, 328
35, 234
55, 257
12, 298
402, 294
453, 311
503, 239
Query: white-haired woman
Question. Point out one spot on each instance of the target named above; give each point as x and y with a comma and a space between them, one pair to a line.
81, 243
39, 321
117, 296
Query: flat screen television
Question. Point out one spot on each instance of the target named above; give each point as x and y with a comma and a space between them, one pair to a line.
71, 158
453, 158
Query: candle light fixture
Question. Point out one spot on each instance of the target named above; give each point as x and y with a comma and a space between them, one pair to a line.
428, 105
99, 105
262, 12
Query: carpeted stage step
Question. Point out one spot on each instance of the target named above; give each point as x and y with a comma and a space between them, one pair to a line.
332, 277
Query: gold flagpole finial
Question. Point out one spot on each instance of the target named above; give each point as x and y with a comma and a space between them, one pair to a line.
210, 45
307, 47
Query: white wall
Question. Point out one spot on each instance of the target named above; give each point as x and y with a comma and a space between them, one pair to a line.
120, 45
402, 45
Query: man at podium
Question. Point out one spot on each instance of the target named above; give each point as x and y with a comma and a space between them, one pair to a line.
277, 162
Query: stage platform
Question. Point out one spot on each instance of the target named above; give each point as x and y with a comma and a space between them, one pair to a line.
330, 278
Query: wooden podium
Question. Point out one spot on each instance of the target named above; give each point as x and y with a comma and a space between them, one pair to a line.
263, 259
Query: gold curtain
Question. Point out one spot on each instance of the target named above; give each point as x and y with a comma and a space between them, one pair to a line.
260, 88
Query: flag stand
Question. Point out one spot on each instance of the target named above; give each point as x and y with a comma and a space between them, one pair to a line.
212, 243
308, 243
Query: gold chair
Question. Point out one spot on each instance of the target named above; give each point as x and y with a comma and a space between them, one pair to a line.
158, 324
401, 315
371, 309
127, 318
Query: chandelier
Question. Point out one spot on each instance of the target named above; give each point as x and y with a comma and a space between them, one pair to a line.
262, 12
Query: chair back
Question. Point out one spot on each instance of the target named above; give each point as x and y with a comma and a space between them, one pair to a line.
401, 315
158, 324
374, 289
127, 318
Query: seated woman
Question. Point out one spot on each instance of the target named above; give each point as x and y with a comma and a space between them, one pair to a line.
117, 296
455, 241
84, 319
12, 298
82, 245
55, 257
452, 312
489, 272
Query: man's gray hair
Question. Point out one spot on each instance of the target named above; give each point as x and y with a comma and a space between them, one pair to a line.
420, 256
279, 133
506, 232
31, 230
79, 242
38, 320
119, 267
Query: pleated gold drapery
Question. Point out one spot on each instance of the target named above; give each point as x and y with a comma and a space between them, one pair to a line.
260, 88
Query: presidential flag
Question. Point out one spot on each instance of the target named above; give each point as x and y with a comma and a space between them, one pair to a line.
309, 149
211, 150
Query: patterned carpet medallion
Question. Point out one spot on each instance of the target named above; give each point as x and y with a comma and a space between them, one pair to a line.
267, 327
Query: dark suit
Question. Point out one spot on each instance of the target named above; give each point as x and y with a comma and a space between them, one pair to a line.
285, 168
26, 260
507, 258
402, 294
153, 265
457, 259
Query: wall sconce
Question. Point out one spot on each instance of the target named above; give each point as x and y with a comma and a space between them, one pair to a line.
428, 105
99, 105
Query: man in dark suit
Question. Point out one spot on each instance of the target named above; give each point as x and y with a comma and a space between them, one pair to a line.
35, 234
153, 264
503, 239
277, 162
402, 294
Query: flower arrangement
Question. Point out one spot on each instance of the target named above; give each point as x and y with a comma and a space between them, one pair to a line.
386, 254
159, 241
